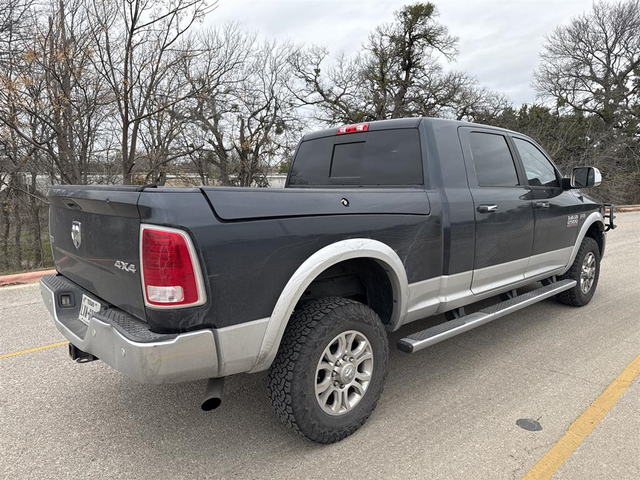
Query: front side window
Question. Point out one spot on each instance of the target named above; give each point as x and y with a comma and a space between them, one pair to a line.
539, 170
492, 159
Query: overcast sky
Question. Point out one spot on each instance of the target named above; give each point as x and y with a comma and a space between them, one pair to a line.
499, 40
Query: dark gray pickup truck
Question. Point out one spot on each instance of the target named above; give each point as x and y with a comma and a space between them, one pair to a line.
380, 224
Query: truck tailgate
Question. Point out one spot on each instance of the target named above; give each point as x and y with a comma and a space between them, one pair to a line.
95, 241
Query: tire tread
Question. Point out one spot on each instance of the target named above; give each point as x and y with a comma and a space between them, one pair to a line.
313, 320
573, 296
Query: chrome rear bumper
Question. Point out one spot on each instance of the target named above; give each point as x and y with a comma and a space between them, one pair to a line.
167, 359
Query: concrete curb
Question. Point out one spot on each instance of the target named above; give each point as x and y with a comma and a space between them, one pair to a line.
627, 208
28, 277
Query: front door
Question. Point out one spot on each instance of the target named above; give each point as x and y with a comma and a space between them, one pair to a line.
503, 209
556, 211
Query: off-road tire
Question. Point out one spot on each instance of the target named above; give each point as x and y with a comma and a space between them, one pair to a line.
575, 296
292, 377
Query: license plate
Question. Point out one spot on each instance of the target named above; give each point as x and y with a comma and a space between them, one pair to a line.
87, 308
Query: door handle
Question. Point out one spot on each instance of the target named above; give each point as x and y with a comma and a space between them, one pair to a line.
487, 208
543, 204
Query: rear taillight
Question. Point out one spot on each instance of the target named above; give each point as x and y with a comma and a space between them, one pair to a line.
171, 275
356, 127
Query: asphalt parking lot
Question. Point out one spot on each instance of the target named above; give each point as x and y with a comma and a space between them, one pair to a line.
447, 412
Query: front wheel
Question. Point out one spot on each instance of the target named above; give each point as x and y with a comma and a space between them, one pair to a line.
330, 369
585, 270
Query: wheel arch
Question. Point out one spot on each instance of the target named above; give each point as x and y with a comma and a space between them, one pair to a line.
595, 232
592, 224
313, 267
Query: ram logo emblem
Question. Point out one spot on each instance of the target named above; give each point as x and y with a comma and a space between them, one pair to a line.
76, 234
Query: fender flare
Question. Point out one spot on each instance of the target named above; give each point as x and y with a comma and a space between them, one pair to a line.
316, 264
590, 220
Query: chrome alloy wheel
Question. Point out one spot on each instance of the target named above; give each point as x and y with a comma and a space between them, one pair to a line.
344, 372
588, 272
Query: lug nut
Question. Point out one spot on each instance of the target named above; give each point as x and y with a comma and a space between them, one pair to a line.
335, 384
341, 386
351, 359
344, 357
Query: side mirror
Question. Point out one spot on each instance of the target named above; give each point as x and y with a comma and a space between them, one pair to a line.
585, 177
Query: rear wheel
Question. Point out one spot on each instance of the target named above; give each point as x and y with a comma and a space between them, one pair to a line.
585, 271
330, 369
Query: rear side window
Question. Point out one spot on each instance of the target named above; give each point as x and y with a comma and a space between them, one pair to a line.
492, 159
375, 158
540, 172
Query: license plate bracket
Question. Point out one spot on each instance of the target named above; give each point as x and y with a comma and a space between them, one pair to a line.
88, 307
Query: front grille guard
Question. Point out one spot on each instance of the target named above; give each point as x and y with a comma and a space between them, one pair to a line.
609, 216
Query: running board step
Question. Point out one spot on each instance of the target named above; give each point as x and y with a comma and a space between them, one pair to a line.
443, 331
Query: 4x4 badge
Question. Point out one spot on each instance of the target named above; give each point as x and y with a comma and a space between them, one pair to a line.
127, 267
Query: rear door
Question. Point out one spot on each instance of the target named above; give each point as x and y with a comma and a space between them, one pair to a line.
503, 209
555, 210
94, 235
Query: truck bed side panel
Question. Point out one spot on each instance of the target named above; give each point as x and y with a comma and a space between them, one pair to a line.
248, 263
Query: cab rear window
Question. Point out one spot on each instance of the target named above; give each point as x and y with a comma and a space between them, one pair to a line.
374, 158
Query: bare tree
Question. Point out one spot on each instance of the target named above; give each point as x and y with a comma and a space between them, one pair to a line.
243, 114
403, 54
590, 70
16, 16
333, 89
160, 133
216, 75
592, 65
16, 24
59, 96
137, 46
264, 117
399, 73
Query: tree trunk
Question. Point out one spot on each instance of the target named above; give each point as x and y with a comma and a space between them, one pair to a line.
126, 169
6, 228
17, 254
36, 233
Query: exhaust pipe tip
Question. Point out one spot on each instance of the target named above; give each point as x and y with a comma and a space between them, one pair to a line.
212, 394
209, 404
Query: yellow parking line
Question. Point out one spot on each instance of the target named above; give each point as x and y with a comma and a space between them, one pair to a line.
584, 424
31, 350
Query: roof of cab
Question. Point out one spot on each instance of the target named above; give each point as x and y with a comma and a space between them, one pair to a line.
462, 123
401, 123
375, 125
